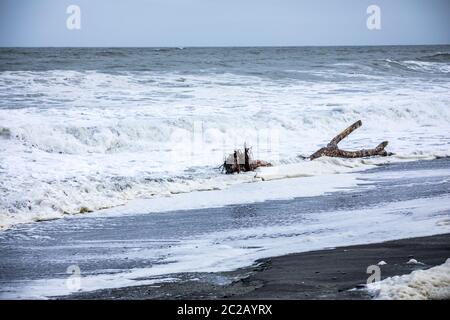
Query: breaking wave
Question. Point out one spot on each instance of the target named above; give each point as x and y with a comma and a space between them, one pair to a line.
75, 141
421, 65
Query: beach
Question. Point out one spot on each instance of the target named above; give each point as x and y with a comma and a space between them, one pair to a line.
253, 250
224, 158
333, 274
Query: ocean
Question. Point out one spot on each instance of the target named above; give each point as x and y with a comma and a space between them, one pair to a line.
84, 129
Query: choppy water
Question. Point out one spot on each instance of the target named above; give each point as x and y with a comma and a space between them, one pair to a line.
95, 128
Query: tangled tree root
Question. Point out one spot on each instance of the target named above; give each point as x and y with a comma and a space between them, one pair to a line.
241, 161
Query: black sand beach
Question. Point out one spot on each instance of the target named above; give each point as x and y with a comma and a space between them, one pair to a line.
324, 274
104, 245
182, 151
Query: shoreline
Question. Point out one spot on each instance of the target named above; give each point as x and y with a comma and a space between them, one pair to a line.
322, 274
198, 249
283, 178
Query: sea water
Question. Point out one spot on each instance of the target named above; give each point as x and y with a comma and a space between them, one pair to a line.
82, 129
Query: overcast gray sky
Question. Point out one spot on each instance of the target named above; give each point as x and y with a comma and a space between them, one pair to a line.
223, 22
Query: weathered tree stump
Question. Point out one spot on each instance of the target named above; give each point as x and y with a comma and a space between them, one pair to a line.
332, 149
241, 161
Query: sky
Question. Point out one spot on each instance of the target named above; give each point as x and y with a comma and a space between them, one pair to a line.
168, 23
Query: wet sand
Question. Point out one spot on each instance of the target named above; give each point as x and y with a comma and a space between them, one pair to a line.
323, 274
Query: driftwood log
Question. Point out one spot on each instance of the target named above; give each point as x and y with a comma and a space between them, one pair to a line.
241, 161
332, 149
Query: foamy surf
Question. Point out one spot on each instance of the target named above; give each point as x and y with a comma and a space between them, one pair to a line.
429, 284
82, 140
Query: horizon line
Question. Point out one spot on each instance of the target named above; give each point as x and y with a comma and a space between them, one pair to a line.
229, 46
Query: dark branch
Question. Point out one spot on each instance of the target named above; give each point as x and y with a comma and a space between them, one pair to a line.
332, 149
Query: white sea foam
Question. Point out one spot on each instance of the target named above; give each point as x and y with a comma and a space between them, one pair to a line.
77, 140
429, 284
